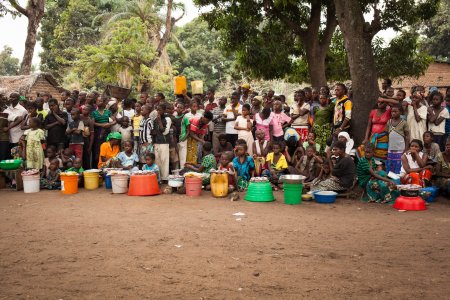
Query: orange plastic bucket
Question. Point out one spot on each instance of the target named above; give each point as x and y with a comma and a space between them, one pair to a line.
143, 185
69, 184
179, 84
193, 186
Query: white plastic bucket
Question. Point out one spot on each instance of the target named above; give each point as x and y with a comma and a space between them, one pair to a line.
119, 184
31, 183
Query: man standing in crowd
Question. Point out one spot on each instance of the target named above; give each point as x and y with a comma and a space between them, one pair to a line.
56, 124
219, 124
16, 112
230, 114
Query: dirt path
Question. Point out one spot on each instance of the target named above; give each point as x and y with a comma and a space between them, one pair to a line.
97, 245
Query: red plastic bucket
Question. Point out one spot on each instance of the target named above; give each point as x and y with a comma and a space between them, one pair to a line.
193, 186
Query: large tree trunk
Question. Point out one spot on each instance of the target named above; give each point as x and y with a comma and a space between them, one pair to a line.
316, 44
315, 41
34, 12
315, 56
357, 38
30, 43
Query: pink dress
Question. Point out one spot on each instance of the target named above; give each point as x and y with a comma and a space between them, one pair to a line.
379, 122
264, 124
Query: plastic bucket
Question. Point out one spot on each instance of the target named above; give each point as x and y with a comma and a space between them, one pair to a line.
292, 193
179, 84
144, 185
119, 184
259, 192
197, 87
69, 184
193, 186
91, 181
219, 185
31, 183
108, 183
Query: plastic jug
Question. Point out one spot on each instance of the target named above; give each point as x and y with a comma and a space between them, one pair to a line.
219, 184
179, 84
197, 87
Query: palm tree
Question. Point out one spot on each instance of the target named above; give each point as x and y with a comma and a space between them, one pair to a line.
156, 15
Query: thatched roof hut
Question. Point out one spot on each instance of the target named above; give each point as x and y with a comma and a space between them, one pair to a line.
31, 86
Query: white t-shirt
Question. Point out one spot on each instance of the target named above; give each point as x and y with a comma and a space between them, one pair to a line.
229, 126
417, 128
441, 127
301, 120
13, 113
126, 113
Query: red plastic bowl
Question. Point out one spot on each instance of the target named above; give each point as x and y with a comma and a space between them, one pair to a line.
409, 203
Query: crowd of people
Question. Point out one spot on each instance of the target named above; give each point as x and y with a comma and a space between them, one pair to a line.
249, 134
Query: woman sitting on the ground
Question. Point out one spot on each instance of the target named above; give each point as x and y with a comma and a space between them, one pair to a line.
414, 169
349, 143
343, 172
443, 169
378, 187
109, 149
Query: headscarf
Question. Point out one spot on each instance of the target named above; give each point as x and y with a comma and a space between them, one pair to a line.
110, 103
114, 135
259, 98
433, 89
350, 142
246, 86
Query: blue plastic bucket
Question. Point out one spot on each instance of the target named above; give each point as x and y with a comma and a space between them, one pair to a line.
434, 193
108, 182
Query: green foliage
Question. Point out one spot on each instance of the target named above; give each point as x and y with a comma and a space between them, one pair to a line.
336, 63
267, 46
9, 65
437, 33
122, 57
264, 46
401, 57
67, 26
5, 9
203, 60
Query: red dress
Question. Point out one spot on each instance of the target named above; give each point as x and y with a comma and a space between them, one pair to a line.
379, 122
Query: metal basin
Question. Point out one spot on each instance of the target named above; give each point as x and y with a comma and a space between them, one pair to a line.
292, 178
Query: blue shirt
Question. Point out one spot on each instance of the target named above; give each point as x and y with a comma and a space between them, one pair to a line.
153, 168
243, 170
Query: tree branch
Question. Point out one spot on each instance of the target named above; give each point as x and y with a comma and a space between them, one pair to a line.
169, 23
314, 19
19, 8
270, 10
330, 26
375, 25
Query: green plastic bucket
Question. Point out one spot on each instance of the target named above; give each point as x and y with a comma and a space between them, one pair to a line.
259, 192
292, 193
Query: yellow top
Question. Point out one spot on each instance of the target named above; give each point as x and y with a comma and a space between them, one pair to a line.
281, 163
136, 124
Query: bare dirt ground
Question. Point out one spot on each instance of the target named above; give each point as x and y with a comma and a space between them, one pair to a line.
95, 245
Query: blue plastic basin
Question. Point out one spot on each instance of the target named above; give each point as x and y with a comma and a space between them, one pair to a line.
325, 196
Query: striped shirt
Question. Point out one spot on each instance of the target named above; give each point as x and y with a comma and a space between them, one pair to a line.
145, 131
